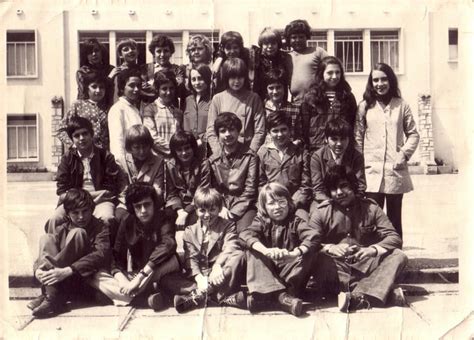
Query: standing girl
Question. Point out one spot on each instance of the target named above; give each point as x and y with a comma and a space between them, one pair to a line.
239, 100
328, 97
386, 133
197, 104
162, 117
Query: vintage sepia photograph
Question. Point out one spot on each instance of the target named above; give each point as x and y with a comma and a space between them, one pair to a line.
235, 169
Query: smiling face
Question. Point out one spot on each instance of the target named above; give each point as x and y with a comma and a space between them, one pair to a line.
197, 53
269, 48
197, 82
80, 217
280, 135
131, 90
343, 193
96, 91
144, 210
236, 83
185, 154
82, 139
95, 56
380, 82
162, 55
166, 93
228, 137
298, 41
275, 92
208, 216
232, 50
337, 144
277, 208
129, 54
332, 75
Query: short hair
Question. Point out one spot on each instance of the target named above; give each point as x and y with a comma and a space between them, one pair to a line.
88, 46
276, 118
335, 175
276, 75
231, 37
208, 198
201, 39
227, 120
270, 34
338, 127
77, 198
163, 77
76, 123
206, 74
274, 190
138, 134
180, 139
138, 191
234, 67
161, 41
93, 77
296, 27
126, 42
124, 76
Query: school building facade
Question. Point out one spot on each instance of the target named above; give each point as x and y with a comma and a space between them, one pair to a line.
422, 41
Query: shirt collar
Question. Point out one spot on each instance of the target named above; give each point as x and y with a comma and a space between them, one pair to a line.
88, 157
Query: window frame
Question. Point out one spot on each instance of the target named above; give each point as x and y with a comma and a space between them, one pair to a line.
398, 40
453, 60
24, 160
363, 48
28, 76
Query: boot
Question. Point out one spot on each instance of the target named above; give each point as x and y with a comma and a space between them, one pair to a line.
351, 302
51, 305
185, 303
156, 301
290, 304
257, 302
35, 302
237, 300
397, 298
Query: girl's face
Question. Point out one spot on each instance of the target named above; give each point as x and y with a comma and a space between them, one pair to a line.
280, 135
277, 208
269, 48
131, 90
166, 93
129, 53
197, 53
96, 91
95, 56
162, 55
197, 82
332, 75
380, 82
232, 50
236, 83
140, 151
185, 154
275, 92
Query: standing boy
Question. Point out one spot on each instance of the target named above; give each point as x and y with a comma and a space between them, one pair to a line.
70, 255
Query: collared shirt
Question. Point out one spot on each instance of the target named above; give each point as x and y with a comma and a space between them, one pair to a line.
337, 159
87, 183
292, 113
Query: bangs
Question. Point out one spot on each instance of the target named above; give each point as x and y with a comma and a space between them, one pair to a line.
208, 199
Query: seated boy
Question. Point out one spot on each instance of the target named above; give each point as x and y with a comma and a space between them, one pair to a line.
213, 258
70, 255
360, 254
234, 172
148, 236
283, 162
276, 83
86, 166
337, 151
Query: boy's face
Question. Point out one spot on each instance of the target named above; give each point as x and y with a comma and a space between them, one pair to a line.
162, 55
166, 93
140, 151
343, 193
80, 217
232, 50
298, 41
337, 144
228, 136
129, 53
208, 216
185, 153
144, 210
277, 208
275, 92
131, 90
82, 139
280, 135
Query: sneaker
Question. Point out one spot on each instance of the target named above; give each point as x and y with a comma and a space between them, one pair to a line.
184, 303
35, 302
156, 301
238, 300
397, 298
48, 308
290, 304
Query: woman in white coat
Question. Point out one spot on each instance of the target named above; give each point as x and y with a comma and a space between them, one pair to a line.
386, 134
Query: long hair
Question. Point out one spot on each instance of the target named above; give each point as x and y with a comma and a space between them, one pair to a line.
275, 191
180, 139
235, 67
394, 92
206, 75
200, 39
87, 49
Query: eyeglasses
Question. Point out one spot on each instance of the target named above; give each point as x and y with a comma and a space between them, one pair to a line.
283, 202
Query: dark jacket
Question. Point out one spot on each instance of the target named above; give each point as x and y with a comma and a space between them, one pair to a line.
236, 178
104, 171
288, 234
180, 188
153, 245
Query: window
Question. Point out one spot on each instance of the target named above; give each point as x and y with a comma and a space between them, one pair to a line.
384, 48
177, 37
453, 44
22, 137
318, 39
348, 48
139, 38
102, 37
21, 54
